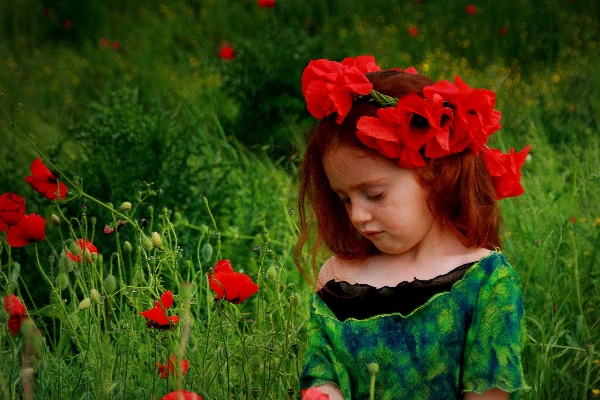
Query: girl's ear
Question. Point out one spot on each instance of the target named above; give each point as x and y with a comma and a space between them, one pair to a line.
425, 174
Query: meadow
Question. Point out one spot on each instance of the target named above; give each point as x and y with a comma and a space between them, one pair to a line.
178, 128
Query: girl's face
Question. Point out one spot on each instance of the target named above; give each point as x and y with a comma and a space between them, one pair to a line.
385, 203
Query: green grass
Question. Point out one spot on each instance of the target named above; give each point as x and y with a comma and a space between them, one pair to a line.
163, 123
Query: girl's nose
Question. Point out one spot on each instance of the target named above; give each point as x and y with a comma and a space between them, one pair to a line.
359, 214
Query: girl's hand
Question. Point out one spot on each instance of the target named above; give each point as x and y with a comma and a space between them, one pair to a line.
327, 391
492, 394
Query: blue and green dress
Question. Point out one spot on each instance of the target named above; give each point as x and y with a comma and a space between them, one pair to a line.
436, 339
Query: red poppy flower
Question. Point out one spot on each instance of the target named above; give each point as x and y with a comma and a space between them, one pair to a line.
363, 63
474, 116
503, 31
413, 31
32, 228
68, 24
572, 219
12, 210
16, 313
234, 286
45, 182
157, 316
182, 395
103, 42
266, 3
226, 52
401, 132
505, 170
116, 45
329, 86
471, 9
168, 368
84, 245
314, 394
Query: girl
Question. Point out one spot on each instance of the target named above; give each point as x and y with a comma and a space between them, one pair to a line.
405, 194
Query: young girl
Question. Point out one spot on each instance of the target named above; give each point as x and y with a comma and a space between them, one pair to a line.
405, 194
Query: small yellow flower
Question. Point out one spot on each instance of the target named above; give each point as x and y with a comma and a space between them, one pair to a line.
595, 392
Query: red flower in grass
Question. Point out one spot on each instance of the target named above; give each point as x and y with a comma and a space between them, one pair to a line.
103, 42
503, 31
16, 313
168, 368
32, 228
329, 86
266, 3
157, 316
227, 52
116, 45
45, 182
413, 31
233, 286
505, 170
12, 210
314, 394
182, 395
86, 249
68, 24
471, 9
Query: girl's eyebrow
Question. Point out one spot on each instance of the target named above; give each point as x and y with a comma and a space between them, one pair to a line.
361, 185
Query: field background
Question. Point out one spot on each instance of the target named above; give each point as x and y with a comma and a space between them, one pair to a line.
132, 102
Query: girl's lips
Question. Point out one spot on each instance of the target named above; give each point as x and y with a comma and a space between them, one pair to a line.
370, 233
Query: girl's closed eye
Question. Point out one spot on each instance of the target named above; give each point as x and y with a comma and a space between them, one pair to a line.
375, 197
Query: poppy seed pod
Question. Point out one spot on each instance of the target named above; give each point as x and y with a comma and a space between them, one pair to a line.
74, 248
55, 219
66, 263
110, 283
373, 368
156, 239
85, 304
126, 206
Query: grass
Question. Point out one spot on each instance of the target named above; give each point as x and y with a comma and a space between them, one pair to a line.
163, 123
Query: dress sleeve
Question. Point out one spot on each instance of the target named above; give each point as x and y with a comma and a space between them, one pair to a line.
319, 360
496, 337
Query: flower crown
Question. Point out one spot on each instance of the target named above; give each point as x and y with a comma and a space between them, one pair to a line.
449, 118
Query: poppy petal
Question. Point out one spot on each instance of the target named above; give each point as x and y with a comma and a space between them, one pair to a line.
12, 208
32, 228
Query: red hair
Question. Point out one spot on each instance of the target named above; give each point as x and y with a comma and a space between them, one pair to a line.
461, 198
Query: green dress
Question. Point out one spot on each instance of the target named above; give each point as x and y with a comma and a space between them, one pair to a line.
466, 340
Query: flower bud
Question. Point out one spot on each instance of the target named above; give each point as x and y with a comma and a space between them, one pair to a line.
127, 246
66, 263
62, 281
126, 206
271, 273
95, 296
165, 210
110, 283
146, 243
186, 291
207, 252
156, 239
55, 219
295, 299
74, 248
93, 221
281, 288
373, 368
87, 256
85, 304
